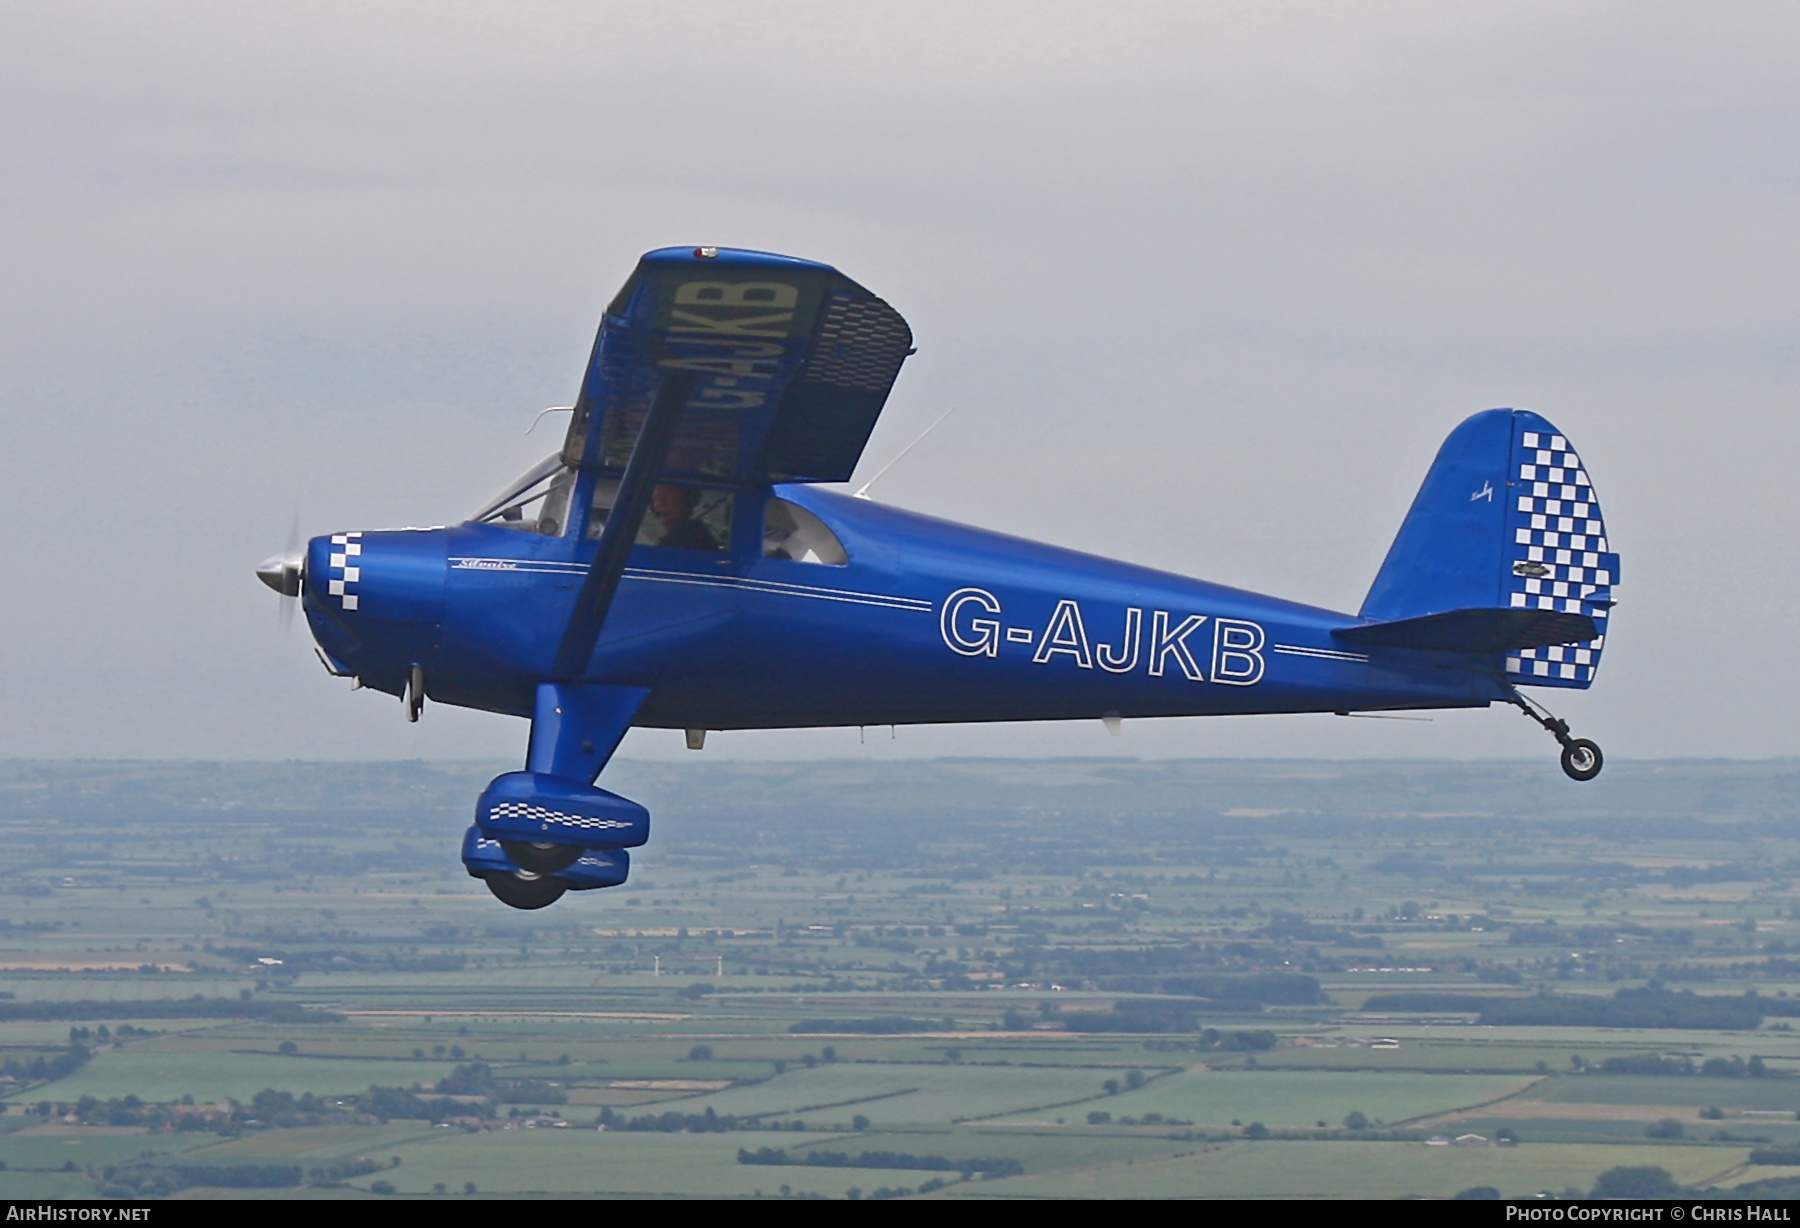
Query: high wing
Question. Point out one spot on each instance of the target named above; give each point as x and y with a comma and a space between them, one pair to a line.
790, 364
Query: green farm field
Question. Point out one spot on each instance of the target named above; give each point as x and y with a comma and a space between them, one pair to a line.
207, 1076
1362, 1170
901, 1094
1295, 1099
1770, 1095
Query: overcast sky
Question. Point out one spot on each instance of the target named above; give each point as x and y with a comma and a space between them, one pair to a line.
1207, 284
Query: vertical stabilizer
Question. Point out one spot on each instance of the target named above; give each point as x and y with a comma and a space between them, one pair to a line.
1507, 521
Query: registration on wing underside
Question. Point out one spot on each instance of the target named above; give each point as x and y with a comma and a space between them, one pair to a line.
791, 363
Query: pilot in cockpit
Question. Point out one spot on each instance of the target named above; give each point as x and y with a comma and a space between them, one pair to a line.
674, 506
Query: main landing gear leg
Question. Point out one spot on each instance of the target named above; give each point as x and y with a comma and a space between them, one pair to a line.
547, 830
1581, 759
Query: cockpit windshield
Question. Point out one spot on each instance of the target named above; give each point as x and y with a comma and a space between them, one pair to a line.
537, 501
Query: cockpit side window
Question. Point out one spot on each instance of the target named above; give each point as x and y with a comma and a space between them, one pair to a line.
792, 532
536, 502
678, 518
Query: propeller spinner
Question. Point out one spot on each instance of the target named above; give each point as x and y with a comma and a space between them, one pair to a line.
283, 572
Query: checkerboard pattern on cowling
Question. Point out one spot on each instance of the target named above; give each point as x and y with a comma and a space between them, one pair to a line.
1560, 556
346, 568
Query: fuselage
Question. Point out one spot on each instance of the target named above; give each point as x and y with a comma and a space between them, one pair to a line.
925, 621
677, 564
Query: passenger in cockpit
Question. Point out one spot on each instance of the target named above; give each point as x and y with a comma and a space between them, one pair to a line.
674, 507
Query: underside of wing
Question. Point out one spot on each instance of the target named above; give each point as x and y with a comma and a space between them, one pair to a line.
791, 363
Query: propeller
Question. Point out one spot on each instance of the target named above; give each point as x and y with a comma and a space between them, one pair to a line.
285, 572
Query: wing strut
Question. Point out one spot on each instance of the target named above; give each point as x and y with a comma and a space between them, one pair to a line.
654, 440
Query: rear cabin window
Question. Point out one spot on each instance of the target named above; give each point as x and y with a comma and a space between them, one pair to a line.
792, 532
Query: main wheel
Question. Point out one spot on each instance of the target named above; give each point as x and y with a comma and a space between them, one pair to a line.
541, 858
516, 891
1582, 760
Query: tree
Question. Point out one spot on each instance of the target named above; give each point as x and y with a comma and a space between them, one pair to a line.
1357, 1120
859, 1122
1643, 1182
1134, 1079
700, 1053
1668, 1127
1111, 1086
1256, 1130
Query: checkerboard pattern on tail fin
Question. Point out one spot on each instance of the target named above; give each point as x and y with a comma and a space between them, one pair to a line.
1504, 553
1561, 559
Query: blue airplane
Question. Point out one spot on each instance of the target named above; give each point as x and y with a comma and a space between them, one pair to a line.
678, 566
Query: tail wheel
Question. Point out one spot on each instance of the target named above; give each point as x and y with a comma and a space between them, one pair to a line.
1581, 759
541, 858
518, 891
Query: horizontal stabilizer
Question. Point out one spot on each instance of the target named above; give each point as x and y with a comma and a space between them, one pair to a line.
1483, 631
